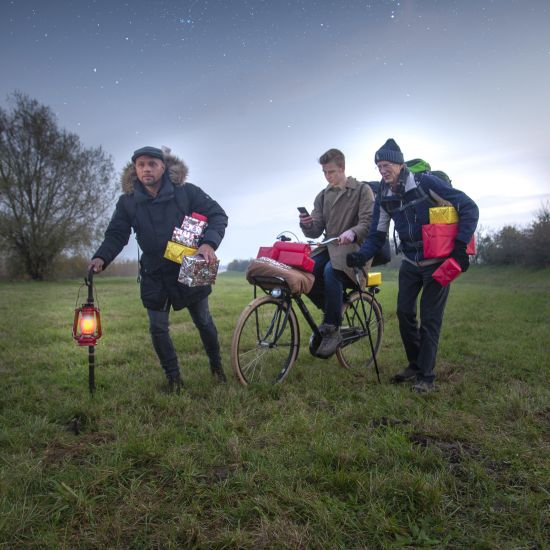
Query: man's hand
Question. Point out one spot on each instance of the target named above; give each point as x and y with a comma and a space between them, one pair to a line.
306, 220
459, 254
97, 265
356, 259
347, 237
207, 252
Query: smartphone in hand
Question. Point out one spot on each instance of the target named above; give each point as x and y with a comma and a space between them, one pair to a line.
303, 211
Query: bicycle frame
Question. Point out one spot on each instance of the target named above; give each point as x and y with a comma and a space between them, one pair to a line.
347, 338
288, 299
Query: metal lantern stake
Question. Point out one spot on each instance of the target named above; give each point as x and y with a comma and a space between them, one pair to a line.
87, 327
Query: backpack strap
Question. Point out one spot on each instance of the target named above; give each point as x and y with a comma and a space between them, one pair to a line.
422, 196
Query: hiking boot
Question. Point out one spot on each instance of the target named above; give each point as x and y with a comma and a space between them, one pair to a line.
406, 375
218, 374
423, 387
174, 384
331, 340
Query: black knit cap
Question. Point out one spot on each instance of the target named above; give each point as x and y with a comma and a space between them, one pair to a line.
149, 152
390, 152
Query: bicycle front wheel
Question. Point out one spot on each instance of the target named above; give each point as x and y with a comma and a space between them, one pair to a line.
355, 351
265, 342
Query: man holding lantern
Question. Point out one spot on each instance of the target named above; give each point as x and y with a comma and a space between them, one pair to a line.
155, 199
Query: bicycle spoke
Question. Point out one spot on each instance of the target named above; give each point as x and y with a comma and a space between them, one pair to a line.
359, 319
265, 343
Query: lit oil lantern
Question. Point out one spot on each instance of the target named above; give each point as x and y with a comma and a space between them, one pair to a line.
87, 328
87, 325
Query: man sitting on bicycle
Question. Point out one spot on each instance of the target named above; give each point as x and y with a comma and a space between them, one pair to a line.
343, 209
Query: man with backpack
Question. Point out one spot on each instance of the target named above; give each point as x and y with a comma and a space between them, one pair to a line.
155, 199
405, 198
343, 209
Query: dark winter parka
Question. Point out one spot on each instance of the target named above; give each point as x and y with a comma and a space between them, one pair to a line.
153, 220
409, 209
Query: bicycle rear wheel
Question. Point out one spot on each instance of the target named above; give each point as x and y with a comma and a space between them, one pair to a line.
355, 351
265, 342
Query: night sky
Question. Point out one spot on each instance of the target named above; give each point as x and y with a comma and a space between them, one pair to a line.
251, 93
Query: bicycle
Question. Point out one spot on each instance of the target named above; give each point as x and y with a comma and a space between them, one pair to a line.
266, 339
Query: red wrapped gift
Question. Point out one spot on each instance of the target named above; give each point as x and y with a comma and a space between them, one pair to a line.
448, 271
294, 254
266, 252
275, 251
439, 240
296, 259
292, 247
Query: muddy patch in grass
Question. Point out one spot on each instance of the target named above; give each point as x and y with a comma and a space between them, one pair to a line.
454, 451
449, 373
384, 421
77, 451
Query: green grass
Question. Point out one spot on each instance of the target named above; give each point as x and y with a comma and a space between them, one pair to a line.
325, 460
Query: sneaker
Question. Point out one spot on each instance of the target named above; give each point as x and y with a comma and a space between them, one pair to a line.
330, 342
218, 374
423, 387
406, 375
174, 384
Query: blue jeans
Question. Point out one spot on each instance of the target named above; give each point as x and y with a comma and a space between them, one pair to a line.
327, 292
160, 335
420, 341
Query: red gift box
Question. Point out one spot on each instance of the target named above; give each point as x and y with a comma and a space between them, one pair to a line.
296, 259
266, 252
448, 271
439, 240
293, 254
292, 247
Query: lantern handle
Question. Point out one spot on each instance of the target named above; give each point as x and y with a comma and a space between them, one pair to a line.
89, 283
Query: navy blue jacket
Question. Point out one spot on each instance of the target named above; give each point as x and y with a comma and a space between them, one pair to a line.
153, 220
409, 210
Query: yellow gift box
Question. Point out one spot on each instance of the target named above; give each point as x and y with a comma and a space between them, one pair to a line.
374, 279
443, 214
176, 251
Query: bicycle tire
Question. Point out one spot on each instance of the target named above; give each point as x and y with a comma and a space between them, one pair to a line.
265, 346
357, 353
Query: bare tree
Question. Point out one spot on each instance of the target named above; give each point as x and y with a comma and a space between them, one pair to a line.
54, 192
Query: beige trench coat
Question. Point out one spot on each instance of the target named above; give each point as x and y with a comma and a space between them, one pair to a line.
351, 210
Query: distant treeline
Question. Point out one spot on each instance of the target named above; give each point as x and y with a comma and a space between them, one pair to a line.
71, 267
529, 246
238, 265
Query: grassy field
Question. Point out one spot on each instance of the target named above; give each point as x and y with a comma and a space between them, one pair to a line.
325, 460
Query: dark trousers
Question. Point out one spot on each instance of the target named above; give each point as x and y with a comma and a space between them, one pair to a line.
160, 335
420, 341
327, 292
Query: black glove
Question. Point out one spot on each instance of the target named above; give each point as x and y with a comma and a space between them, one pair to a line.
459, 254
356, 259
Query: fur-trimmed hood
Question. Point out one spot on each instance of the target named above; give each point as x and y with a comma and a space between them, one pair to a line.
175, 167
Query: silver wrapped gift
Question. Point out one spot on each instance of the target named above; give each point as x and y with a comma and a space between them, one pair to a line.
190, 232
195, 271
